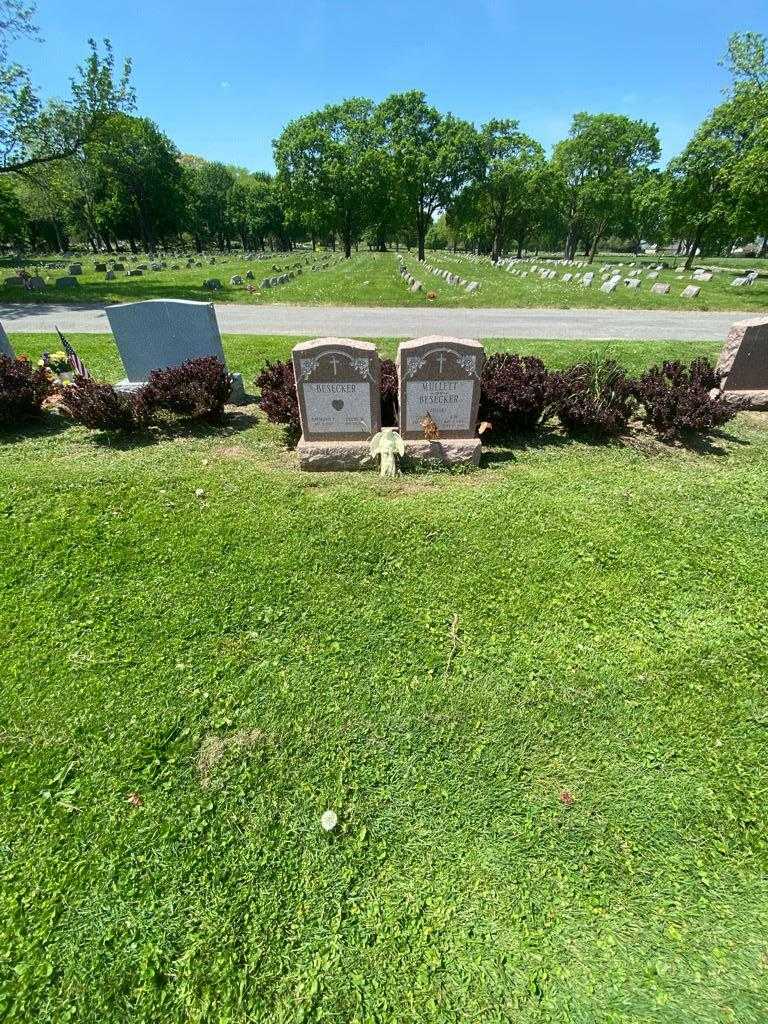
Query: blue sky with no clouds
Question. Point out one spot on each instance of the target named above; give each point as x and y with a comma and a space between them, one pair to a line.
222, 78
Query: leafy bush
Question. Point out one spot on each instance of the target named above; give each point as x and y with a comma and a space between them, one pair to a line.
676, 398
23, 389
390, 409
99, 407
279, 400
198, 388
593, 397
514, 392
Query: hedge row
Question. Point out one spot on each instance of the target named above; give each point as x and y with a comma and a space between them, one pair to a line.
518, 393
196, 390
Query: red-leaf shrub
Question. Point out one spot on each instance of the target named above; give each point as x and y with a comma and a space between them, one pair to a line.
23, 389
99, 407
676, 398
279, 401
514, 391
198, 388
390, 411
593, 397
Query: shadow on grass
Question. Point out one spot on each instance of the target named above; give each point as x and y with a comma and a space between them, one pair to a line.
175, 430
47, 425
507, 448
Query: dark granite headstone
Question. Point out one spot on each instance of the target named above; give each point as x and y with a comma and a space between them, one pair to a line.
744, 363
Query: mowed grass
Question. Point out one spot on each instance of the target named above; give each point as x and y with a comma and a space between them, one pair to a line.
440, 658
372, 279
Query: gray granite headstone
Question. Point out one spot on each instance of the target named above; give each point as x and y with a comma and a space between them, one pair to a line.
158, 333
5, 345
338, 386
440, 376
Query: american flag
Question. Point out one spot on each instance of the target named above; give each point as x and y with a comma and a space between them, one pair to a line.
74, 360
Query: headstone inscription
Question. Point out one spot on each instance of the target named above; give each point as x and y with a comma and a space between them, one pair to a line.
159, 333
338, 383
744, 364
440, 384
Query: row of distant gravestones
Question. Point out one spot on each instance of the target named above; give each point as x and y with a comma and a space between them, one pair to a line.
338, 380
36, 283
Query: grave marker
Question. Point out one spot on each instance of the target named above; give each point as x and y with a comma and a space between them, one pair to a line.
744, 363
338, 383
5, 345
158, 333
440, 378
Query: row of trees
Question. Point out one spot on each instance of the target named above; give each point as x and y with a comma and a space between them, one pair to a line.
90, 170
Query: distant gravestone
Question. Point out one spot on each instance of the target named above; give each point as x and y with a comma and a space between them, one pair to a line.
610, 285
213, 284
440, 382
744, 364
159, 333
14, 282
36, 284
660, 289
338, 383
236, 279
118, 266
690, 292
100, 268
5, 345
66, 282
587, 279
76, 269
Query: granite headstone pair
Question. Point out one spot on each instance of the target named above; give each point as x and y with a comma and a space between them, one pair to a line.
338, 381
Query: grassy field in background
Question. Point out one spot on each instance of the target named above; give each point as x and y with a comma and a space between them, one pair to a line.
371, 279
534, 693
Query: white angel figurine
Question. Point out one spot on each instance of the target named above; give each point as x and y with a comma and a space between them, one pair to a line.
387, 443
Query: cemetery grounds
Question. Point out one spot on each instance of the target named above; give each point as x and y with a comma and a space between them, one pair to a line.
533, 692
372, 279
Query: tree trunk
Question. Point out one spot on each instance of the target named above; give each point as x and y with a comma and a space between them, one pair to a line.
595, 243
692, 252
763, 248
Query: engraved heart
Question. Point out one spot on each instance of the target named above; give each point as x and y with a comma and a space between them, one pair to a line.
337, 404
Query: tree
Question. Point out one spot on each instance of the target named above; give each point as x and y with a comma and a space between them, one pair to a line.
501, 196
600, 165
31, 133
331, 165
432, 156
207, 186
130, 183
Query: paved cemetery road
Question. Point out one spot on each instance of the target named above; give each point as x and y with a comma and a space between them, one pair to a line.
400, 322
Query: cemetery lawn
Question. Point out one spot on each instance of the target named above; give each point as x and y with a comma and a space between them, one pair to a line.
534, 693
371, 279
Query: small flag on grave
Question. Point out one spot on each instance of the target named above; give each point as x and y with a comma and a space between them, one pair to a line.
74, 360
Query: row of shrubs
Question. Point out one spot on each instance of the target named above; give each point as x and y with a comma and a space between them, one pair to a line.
197, 390
518, 393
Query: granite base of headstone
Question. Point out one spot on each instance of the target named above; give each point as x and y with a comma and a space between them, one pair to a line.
339, 391
440, 389
744, 364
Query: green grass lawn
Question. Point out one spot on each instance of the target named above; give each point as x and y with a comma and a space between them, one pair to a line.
371, 279
440, 658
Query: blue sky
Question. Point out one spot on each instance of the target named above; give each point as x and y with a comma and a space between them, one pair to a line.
222, 78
